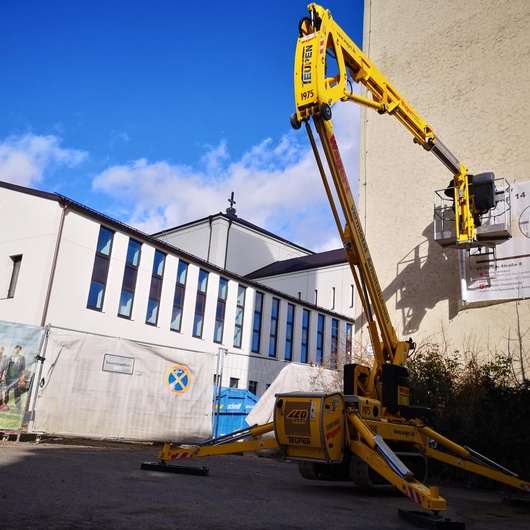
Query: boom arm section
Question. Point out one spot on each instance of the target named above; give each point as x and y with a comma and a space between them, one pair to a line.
317, 89
315, 94
387, 348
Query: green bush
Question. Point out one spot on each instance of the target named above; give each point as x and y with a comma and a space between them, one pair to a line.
475, 404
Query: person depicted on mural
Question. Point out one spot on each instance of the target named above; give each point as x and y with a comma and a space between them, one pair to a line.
4, 363
15, 376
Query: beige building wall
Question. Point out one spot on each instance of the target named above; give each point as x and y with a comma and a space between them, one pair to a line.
465, 68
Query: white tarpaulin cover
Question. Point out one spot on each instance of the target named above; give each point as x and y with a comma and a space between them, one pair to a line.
294, 378
106, 387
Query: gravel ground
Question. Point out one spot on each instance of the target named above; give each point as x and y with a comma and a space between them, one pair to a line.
74, 485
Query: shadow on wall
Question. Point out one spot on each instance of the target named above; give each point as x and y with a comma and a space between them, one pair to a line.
426, 276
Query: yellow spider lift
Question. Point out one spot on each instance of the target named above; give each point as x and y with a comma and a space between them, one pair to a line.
369, 433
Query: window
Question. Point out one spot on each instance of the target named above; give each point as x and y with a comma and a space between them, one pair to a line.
334, 342
129, 279
178, 297
289, 333
220, 310
352, 296
273, 337
349, 336
200, 304
320, 339
253, 387
304, 346
234, 382
240, 309
256, 325
17, 262
333, 298
100, 271
155, 291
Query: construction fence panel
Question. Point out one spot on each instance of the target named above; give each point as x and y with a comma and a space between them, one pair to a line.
108, 387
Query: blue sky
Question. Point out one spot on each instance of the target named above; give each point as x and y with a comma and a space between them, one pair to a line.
154, 112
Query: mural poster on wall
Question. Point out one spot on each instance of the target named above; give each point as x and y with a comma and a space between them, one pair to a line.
19, 347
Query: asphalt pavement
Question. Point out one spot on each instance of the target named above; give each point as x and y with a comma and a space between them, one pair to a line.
74, 485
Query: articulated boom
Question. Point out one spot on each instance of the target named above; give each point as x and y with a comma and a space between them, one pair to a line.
387, 348
328, 64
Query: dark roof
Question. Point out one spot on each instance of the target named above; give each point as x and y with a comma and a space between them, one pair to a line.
237, 220
29, 191
322, 259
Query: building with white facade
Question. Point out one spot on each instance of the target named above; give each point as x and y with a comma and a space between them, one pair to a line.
216, 285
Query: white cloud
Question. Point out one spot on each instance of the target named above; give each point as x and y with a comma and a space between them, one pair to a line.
118, 138
24, 159
215, 157
276, 186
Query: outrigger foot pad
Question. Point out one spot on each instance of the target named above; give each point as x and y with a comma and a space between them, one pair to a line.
172, 468
429, 520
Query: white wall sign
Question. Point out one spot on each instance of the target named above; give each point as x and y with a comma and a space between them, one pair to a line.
505, 274
116, 363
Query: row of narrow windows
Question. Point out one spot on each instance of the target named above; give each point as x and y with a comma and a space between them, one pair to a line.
97, 294
99, 281
305, 333
320, 347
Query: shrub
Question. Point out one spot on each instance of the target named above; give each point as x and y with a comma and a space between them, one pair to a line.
478, 404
